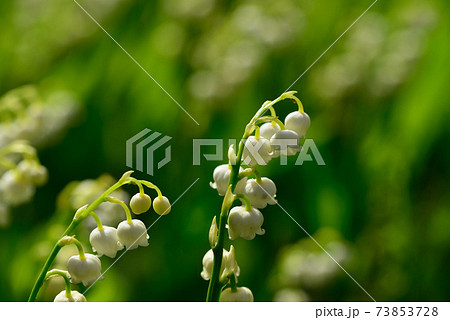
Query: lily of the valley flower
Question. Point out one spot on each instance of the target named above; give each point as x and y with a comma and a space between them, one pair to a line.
87, 270
285, 142
256, 151
242, 294
221, 176
140, 203
298, 122
229, 264
14, 188
75, 296
33, 171
268, 129
132, 234
105, 241
261, 193
245, 223
161, 205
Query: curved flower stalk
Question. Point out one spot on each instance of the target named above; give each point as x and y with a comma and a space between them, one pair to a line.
105, 240
18, 179
66, 295
264, 138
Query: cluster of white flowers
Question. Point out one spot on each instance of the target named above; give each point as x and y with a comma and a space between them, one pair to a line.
18, 178
25, 115
303, 268
105, 240
271, 139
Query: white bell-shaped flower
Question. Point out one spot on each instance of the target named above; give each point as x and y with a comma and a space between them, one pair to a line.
285, 142
261, 193
105, 241
140, 203
221, 176
133, 234
268, 129
33, 171
298, 122
161, 205
229, 264
256, 151
14, 188
245, 224
75, 296
242, 294
87, 270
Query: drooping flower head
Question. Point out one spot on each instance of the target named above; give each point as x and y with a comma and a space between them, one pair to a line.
87, 270
132, 234
75, 296
298, 122
242, 294
105, 241
256, 151
221, 176
261, 193
245, 223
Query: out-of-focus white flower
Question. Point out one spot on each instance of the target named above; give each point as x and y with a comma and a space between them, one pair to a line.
105, 241
244, 224
33, 171
242, 294
291, 295
268, 129
14, 189
221, 176
140, 203
133, 234
161, 205
87, 270
261, 193
229, 264
75, 296
256, 151
298, 122
284, 142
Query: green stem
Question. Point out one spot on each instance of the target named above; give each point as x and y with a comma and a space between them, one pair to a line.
66, 279
124, 206
48, 263
233, 283
97, 220
248, 204
75, 222
80, 249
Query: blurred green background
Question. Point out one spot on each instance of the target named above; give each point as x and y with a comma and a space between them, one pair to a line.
379, 108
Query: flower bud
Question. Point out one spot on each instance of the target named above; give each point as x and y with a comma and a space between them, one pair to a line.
268, 129
105, 241
132, 234
298, 122
261, 193
140, 203
87, 270
213, 231
221, 176
161, 205
285, 142
75, 296
245, 224
256, 151
242, 294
